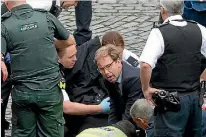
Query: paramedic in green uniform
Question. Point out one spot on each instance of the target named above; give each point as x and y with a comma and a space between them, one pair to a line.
37, 101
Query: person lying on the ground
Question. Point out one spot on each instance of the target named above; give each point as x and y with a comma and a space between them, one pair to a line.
141, 112
121, 129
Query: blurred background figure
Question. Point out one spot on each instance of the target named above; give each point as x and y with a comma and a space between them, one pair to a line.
5, 87
195, 10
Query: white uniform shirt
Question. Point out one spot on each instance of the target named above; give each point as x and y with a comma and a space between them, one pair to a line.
40, 4
154, 47
65, 95
126, 56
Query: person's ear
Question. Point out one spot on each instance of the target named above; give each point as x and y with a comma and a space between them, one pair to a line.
119, 60
141, 120
138, 120
162, 11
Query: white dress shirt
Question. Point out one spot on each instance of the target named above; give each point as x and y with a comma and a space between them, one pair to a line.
154, 47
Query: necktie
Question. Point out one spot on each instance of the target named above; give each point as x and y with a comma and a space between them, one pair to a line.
118, 87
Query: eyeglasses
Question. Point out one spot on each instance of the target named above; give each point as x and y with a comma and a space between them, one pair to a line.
107, 67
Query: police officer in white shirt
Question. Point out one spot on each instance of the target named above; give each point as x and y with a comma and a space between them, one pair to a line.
53, 6
171, 60
114, 37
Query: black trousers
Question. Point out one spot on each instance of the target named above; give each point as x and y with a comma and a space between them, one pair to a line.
76, 124
83, 13
5, 92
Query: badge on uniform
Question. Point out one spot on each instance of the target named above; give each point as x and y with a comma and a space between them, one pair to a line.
30, 26
62, 84
132, 61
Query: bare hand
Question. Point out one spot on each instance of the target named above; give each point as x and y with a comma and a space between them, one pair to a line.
69, 3
4, 71
204, 107
148, 95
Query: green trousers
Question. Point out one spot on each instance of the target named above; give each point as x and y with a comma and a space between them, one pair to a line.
37, 113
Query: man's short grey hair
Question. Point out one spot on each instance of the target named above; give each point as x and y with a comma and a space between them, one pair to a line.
141, 109
173, 7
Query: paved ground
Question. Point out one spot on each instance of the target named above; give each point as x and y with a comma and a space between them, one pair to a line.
132, 18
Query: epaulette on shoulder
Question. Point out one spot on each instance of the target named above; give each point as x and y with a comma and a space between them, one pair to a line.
159, 25
40, 10
5, 15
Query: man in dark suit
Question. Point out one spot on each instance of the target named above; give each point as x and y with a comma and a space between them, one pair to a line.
122, 82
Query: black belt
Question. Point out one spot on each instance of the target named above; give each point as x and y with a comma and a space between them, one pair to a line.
194, 92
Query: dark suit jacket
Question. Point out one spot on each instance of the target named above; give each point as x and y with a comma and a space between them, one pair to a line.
84, 84
131, 91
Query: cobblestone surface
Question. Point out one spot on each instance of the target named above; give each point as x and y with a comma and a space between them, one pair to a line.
132, 18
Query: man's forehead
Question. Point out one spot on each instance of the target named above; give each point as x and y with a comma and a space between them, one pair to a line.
104, 60
71, 50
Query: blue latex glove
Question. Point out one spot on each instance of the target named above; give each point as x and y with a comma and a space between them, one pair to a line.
105, 104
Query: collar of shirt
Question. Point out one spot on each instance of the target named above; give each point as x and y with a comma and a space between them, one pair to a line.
172, 20
20, 7
119, 80
175, 17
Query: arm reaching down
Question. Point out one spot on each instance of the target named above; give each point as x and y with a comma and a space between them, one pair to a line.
74, 108
145, 76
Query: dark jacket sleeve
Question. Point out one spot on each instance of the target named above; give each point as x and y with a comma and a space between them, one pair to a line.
114, 115
4, 9
112, 119
133, 88
83, 82
60, 32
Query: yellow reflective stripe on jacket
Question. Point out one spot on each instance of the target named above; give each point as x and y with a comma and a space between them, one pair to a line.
62, 85
108, 131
